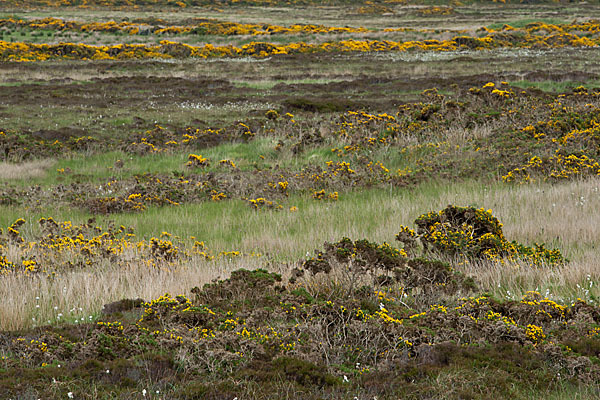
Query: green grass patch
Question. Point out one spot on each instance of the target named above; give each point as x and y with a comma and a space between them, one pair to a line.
233, 224
555, 86
521, 23
101, 167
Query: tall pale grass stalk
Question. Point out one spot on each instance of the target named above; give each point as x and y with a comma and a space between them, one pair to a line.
25, 170
564, 284
79, 294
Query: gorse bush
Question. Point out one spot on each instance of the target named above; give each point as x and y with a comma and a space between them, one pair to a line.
474, 234
358, 263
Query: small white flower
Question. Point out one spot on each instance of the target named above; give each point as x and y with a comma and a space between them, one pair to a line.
70, 395
346, 379
108, 371
144, 392
381, 306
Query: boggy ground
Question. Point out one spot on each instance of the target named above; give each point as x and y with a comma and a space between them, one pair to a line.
105, 97
124, 179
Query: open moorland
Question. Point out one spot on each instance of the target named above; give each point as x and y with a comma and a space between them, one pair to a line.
300, 200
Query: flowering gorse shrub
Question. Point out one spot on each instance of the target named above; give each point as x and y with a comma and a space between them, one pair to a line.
473, 234
531, 36
63, 246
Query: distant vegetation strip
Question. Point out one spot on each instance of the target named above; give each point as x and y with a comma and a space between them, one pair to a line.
204, 26
156, 26
539, 35
382, 5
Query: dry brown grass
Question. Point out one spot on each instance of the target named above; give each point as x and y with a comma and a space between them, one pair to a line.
79, 294
25, 170
459, 135
564, 283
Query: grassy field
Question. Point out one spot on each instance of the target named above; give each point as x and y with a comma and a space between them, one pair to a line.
320, 201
